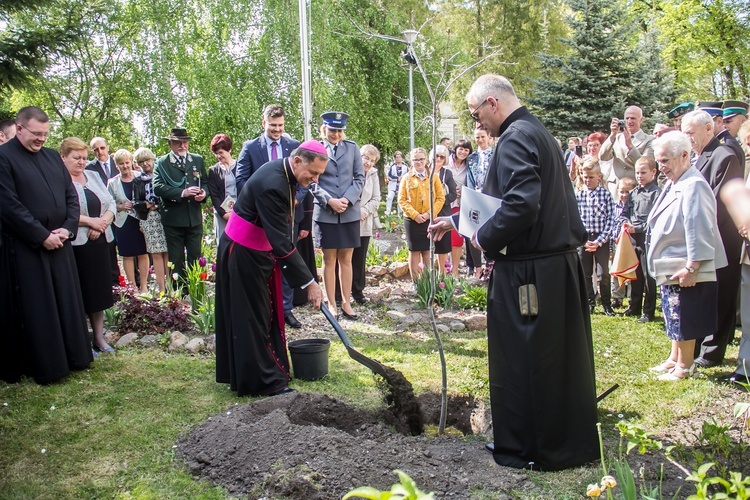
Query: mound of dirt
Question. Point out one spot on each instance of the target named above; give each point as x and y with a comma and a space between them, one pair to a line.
315, 447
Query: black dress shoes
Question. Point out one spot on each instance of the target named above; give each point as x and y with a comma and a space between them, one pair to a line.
490, 447
608, 311
361, 300
735, 379
646, 318
705, 363
290, 320
630, 312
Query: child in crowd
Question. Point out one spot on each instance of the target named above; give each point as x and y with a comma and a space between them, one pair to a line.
642, 199
597, 210
622, 208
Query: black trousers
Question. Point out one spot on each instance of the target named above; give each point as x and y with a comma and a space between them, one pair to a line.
588, 260
643, 283
181, 240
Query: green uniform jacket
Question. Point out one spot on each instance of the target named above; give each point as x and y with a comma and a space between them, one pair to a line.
170, 179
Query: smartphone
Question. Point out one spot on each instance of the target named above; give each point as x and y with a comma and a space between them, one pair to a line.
579, 151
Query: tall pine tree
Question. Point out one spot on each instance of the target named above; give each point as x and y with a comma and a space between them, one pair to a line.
595, 80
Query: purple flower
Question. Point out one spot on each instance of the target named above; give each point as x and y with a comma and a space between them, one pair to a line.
213, 267
441, 285
377, 235
202, 262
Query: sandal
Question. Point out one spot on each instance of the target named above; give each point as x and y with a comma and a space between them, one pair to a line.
678, 373
665, 366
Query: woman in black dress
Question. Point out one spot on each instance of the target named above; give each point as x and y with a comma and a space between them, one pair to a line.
131, 243
90, 244
439, 157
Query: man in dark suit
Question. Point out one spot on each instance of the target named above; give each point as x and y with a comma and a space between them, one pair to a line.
104, 165
180, 179
270, 145
719, 163
273, 145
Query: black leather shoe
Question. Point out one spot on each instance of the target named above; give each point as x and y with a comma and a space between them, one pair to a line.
608, 311
705, 363
290, 320
285, 390
645, 319
352, 317
591, 309
630, 312
361, 300
734, 379
490, 447
617, 303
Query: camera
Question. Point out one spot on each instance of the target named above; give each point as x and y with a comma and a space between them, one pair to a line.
579, 151
621, 123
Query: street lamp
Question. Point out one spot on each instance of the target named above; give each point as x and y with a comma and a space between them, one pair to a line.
409, 37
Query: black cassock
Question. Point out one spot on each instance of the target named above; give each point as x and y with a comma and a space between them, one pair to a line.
44, 331
250, 344
541, 367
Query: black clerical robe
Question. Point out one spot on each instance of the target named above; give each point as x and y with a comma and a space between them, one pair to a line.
250, 343
44, 331
541, 364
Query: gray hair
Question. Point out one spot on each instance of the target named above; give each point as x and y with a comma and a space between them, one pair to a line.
439, 149
491, 85
143, 154
97, 139
674, 142
697, 118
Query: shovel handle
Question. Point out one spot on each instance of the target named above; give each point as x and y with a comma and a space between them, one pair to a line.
336, 326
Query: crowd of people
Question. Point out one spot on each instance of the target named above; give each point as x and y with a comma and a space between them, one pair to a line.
546, 252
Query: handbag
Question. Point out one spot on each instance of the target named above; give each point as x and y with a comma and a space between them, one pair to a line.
666, 267
625, 262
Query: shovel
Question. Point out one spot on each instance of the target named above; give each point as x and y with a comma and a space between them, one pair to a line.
353, 353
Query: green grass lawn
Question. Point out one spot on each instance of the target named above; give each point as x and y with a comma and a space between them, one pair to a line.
109, 431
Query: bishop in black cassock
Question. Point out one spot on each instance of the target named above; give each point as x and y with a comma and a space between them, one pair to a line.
250, 339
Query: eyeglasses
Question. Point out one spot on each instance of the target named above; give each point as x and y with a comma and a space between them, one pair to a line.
475, 113
38, 135
440, 156
418, 160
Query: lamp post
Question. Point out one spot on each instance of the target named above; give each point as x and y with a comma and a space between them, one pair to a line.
409, 37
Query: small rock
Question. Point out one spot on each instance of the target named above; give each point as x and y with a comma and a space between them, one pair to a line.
177, 341
149, 340
442, 328
211, 343
398, 269
476, 322
110, 336
457, 325
195, 345
372, 281
126, 339
396, 315
414, 318
382, 294
377, 270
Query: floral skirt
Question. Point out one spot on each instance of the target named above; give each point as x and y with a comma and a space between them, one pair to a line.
153, 231
690, 312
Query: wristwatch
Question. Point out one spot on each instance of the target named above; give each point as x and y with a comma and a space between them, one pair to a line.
691, 270
70, 235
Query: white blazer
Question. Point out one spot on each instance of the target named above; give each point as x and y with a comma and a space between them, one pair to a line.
115, 189
95, 184
683, 227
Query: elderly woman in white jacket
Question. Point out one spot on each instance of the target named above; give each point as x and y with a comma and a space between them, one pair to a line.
90, 244
684, 251
368, 203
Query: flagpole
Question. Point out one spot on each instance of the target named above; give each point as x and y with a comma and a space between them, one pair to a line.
305, 69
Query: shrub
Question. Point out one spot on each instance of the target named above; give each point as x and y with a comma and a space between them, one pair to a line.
474, 297
149, 315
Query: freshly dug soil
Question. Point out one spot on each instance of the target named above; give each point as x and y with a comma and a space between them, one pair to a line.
310, 446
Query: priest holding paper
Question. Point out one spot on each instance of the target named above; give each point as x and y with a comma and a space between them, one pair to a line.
541, 362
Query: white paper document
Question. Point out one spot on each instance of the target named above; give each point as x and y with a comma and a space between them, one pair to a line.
476, 209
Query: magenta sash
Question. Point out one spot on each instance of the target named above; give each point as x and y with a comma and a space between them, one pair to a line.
247, 234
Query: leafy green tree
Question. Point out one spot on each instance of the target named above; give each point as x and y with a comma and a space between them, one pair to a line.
594, 81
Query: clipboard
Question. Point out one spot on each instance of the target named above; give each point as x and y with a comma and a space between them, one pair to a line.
476, 209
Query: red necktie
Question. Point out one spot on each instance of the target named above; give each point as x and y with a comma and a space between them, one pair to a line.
274, 151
